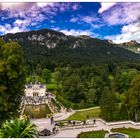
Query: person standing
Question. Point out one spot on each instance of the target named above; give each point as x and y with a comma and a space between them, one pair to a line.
54, 130
52, 120
94, 121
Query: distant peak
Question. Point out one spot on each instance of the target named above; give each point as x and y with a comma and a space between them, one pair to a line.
132, 42
84, 36
110, 41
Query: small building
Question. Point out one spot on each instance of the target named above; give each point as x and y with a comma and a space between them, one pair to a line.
35, 90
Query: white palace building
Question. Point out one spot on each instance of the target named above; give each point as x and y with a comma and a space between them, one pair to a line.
35, 90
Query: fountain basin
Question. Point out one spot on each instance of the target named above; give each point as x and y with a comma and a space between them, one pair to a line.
37, 111
116, 135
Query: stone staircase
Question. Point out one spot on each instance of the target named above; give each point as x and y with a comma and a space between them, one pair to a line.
55, 109
63, 108
52, 108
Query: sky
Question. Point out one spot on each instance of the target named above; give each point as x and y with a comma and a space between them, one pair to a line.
119, 22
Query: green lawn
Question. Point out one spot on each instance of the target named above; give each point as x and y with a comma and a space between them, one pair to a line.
133, 133
52, 86
82, 115
92, 134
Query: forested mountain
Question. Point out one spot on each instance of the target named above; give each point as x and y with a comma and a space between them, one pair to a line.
51, 48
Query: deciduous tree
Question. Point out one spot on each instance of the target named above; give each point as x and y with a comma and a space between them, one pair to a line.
12, 79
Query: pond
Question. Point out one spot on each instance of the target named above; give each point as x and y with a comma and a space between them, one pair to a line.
37, 111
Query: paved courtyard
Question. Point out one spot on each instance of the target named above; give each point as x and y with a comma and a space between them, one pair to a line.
45, 123
99, 125
72, 133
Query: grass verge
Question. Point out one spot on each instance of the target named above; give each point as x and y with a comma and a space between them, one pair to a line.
82, 115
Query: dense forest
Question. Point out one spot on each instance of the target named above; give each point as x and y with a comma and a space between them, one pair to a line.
87, 72
114, 87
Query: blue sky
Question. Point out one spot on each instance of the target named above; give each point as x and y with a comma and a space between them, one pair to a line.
119, 22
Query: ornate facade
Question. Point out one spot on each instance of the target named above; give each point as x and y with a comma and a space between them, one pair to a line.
35, 90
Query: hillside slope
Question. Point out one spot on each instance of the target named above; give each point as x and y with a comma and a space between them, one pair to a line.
51, 48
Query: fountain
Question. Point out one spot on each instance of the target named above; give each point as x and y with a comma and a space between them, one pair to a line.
116, 135
37, 111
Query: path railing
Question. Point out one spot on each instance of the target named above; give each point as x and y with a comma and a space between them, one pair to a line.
118, 122
74, 124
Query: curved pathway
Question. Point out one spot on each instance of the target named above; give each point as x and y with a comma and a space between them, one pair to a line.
45, 123
99, 126
72, 133
88, 108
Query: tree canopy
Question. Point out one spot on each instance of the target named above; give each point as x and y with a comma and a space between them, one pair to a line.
12, 79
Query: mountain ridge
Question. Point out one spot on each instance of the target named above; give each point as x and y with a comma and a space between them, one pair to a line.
132, 45
52, 48
40, 35
44, 37
132, 42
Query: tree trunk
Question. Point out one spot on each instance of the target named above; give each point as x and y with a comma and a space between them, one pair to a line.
136, 115
57, 85
128, 112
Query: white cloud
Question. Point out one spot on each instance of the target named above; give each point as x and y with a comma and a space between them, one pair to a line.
74, 32
74, 19
128, 33
4, 29
7, 28
105, 6
14, 6
97, 26
55, 28
21, 23
131, 28
84, 19
42, 4
88, 19
75, 7
122, 14
31, 14
15, 30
